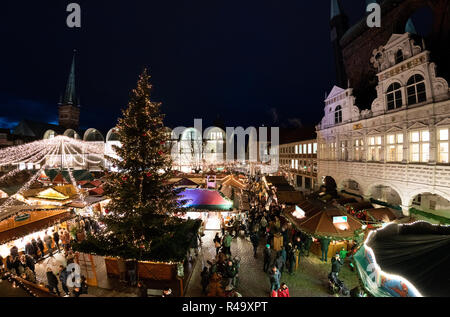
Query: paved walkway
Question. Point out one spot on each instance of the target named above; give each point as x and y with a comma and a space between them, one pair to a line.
310, 280
117, 289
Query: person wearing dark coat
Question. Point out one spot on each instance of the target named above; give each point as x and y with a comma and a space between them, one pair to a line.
63, 275
52, 282
279, 262
291, 259
204, 279
35, 248
29, 249
307, 246
336, 264
142, 289
14, 252
324, 244
267, 257
27, 261
40, 246
56, 238
254, 238
48, 242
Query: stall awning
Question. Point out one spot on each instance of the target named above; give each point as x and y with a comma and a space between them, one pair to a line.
24, 230
328, 223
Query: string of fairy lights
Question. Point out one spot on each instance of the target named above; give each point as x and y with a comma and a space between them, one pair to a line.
60, 149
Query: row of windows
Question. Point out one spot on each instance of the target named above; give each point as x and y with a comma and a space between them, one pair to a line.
306, 166
306, 148
415, 92
419, 147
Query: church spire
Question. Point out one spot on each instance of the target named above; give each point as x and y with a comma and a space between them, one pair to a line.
410, 28
336, 9
69, 96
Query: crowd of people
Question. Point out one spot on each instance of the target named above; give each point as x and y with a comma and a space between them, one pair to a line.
58, 239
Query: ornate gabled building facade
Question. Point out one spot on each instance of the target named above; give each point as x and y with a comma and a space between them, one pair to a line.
396, 152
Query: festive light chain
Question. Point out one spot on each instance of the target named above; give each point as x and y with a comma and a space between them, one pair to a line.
25, 187
83, 156
74, 156
74, 183
16, 153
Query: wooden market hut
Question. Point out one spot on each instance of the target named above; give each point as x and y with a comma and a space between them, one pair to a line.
323, 224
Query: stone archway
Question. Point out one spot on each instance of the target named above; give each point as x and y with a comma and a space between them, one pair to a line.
386, 195
431, 206
351, 186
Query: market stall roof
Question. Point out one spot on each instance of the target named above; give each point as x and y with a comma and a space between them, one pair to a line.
14, 209
231, 181
185, 182
290, 197
380, 214
322, 224
205, 199
24, 230
418, 252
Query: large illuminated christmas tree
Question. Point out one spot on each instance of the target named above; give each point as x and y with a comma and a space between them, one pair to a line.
139, 220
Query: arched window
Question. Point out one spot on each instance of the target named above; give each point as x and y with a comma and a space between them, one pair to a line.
398, 57
394, 96
338, 114
415, 89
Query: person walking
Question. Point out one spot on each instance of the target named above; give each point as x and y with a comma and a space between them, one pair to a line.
63, 274
307, 246
56, 238
29, 248
217, 243
254, 238
204, 280
336, 264
267, 257
227, 243
48, 242
324, 244
274, 277
279, 262
65, 239
52, 282
40, 244
283, 291
35, 248
291, 259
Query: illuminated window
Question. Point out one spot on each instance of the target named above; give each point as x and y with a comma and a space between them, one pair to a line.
374, 148
344, 152
304, 149
296, 164
415, 89
394, 96
358, 150
338, 114
399, 57
315, 148
420, 146
309, 148
443, 139
394, 147
296, 149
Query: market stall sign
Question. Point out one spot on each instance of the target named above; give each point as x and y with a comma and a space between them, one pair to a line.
340, 219
22, 217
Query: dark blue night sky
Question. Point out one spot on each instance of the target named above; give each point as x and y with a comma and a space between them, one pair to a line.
249, 62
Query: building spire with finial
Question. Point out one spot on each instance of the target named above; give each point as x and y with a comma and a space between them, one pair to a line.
69, 96
336, 9
410, 28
